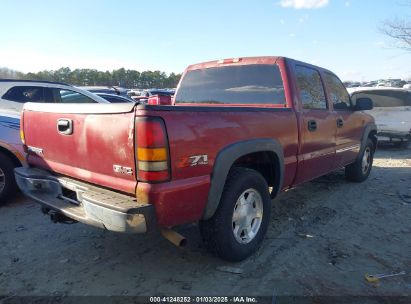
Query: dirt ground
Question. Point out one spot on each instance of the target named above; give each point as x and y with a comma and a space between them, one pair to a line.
324, 237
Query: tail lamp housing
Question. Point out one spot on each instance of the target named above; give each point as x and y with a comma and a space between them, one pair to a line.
160, 100
152, 152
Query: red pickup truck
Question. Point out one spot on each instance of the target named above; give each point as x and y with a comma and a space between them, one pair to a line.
237, 132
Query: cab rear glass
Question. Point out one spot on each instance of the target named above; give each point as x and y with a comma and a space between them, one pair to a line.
244, 84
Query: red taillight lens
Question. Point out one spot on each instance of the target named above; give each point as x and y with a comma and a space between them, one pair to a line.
150, 133
160, 100
153, 176
152, 150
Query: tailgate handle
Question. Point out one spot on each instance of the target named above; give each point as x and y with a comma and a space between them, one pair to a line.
65, 126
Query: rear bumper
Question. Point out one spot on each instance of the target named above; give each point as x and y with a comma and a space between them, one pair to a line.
86, 203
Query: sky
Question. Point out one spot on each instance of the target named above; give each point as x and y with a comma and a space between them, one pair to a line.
341, 35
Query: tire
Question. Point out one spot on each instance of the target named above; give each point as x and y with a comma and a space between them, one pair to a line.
361, 168
404, 144
226, 236
8, 186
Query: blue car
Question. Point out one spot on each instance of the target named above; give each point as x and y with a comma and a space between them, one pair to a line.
12, 154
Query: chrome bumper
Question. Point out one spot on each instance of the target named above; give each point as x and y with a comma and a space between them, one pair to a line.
86, 203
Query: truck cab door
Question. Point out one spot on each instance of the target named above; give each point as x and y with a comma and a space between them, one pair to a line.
350, 125
317, 125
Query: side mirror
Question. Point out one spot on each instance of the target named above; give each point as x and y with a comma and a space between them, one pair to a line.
363, 104
160, 100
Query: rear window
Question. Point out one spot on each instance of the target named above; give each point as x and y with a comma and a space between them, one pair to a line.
113, 99
247, 84
386, 98
68, 96
25, 94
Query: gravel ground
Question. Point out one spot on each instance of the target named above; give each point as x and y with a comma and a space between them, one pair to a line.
324, 237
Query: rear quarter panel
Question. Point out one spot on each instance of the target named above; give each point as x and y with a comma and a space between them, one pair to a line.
206, 131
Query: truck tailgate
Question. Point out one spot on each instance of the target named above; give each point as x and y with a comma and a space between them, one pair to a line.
101, 140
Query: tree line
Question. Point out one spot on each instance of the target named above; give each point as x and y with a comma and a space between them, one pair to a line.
90, 77
399, 30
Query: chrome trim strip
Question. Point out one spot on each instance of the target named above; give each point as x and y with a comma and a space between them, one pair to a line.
354, 147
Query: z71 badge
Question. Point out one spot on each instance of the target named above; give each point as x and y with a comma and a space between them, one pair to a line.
196, 160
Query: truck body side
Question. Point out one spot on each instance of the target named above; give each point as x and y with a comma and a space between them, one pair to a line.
286, 142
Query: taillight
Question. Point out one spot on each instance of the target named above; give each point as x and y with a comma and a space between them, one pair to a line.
23, 140
152, 150
159, 100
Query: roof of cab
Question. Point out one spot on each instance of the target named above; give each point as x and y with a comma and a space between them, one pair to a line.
234, 61
250, 60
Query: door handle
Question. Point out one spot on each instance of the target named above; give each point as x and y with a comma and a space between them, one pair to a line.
340, 122
312, 125
65, 126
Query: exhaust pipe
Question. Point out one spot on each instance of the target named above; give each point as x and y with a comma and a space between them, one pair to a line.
56, 217
174, 237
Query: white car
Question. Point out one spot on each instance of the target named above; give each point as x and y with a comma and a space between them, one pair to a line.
14, 93
392, 111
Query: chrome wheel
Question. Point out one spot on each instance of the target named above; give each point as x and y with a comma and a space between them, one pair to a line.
247, 216
2, 180
366, 160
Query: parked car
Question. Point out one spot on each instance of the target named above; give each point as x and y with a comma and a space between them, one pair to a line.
392, 112
11, 153
134, 92
13, 95
114, 90
115, 98
238, 127
146, 94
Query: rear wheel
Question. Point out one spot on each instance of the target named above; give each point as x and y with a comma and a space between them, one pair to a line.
361, 168
8, 185
240, 222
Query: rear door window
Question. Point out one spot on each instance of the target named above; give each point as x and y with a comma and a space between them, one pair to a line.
68, 96
24, 94
311, 88
245, 84
386, 98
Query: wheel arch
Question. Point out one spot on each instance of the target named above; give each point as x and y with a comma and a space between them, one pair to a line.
270, 156
373, 136
16, 161
370, 132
